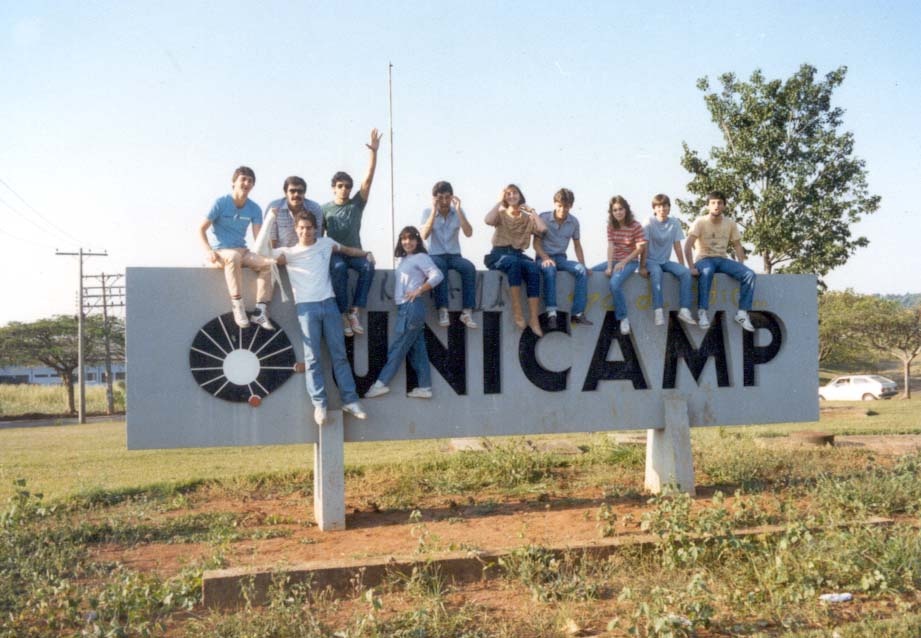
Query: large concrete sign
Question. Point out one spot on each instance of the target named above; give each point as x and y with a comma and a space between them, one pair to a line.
198, 380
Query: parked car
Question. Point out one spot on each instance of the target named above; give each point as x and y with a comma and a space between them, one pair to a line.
858, 387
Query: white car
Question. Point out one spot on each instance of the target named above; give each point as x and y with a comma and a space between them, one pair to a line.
858, 387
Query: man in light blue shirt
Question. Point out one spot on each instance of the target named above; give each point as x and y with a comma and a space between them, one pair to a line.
551, 253
441, 226
287, 209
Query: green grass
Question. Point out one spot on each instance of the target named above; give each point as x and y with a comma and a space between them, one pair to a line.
52, 399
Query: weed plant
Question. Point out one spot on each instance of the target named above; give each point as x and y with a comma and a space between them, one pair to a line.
17, 400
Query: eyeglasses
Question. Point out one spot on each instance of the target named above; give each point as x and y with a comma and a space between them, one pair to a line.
297, 191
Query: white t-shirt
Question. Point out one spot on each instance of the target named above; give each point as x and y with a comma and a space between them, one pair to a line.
308, 269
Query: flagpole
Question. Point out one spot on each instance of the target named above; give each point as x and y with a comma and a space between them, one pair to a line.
392, 196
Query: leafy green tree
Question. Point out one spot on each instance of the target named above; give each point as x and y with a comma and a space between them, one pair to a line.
889, 327
53, 343
793, 183
839, 340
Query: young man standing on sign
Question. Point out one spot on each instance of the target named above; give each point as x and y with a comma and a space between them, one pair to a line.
342, 218
318, 314
713, 233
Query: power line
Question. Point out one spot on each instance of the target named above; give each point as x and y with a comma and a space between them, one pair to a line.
25, 239
44, 231
37, 212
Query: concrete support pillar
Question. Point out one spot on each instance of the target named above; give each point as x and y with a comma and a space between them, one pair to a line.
668, 451
329, 474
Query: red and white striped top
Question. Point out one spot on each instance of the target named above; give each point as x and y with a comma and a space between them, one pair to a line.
625, 240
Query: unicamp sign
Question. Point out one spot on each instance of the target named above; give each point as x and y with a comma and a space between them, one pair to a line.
196, 379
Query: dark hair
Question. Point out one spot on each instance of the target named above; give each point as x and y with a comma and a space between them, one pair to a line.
716, 195
342, 176
412, 231
520, 194
565, 197
661, 199
306, 216
246, 171
628, 218
442, 187
294, 180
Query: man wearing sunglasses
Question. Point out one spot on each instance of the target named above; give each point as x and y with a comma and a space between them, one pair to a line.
287, 209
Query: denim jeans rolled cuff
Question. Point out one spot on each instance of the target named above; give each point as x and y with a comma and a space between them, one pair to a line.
709, 266
580, 281
517, 267
467, 272
339, 266
616, 285
320, 323
655, 282
409, 339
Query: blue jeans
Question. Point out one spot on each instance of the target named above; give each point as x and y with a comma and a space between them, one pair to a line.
339, 265
516, 266
579, 273
321, 322
684, 282
467, 272
409, 339
616, 285
709, 266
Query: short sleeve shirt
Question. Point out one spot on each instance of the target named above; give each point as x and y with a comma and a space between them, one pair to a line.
713, 239
343, 223
514, 231
661, 238
308, 269
625, 240
282, 232
229, 223
444, 239
556, 240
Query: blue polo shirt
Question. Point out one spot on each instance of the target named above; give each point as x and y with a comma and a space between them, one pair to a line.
556, 239
661, 238
444, 239
283, 233
229, 223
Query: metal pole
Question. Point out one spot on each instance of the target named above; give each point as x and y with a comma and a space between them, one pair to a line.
81, 365
393, 229
110, 399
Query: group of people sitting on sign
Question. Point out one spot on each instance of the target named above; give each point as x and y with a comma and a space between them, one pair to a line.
318, 266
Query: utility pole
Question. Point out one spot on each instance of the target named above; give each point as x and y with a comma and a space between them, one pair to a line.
81, 371
112, 296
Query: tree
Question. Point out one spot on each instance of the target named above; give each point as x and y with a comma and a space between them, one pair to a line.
839, 340
53, 342
793, 183
889, 327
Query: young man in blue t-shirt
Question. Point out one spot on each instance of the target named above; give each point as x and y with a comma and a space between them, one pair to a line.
228, 220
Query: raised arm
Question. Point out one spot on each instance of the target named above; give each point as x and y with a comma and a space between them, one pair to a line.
372, 164
426, 229
466, 228
492, 217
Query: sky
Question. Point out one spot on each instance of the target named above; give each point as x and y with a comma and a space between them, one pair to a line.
121, 123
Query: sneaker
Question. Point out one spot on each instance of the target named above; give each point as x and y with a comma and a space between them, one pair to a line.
347, 326
376, 390
551, 320
625, 326
743, 320
319, 414
685, 315
261, 318
659, 317
702, 319
420, 393
355, 410
467, 319
355, 323
239, 313
580, 320
443, 319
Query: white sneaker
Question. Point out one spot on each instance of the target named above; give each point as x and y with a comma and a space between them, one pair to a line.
347, 326
466, 318
443, 319
319, 414
420, 393
685, 315
355, 410
702, 319
659, 317
743, 320
261, 317
239, 313
376, 390
355, 323
625, 326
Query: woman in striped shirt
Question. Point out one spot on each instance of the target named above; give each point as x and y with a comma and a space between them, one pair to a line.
625, 244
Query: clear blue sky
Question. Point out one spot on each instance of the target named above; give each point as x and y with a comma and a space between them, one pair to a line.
120, 123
